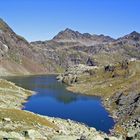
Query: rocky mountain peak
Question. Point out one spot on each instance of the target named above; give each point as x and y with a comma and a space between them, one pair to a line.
68, 30
68, 34
71, 35
132, 36
135, 35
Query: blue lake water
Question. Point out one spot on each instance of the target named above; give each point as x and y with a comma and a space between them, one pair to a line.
52, 99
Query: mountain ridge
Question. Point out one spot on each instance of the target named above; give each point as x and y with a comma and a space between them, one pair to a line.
69, 35
67, 48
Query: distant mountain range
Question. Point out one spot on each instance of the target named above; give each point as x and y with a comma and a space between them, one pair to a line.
68, 47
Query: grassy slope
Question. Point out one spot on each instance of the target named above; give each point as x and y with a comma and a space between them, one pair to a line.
103, 84
29, 119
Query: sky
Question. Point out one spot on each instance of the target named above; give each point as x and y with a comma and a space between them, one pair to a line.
43, 19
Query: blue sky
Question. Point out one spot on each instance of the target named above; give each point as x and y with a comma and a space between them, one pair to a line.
43, 19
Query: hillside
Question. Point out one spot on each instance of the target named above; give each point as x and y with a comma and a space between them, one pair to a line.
16, 56
119, 87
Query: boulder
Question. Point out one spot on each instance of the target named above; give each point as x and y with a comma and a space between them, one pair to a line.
6, 119
32, 134
10, 136
91, 62
83, 138
109, 68
113, 138
98, 137
65, 138
124, 64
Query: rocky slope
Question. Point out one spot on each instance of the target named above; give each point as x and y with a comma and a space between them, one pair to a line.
16, 56
119, 87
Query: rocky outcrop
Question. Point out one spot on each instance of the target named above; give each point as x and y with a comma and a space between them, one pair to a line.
109, 68
126, 110
91, 62
127, 106
72, 74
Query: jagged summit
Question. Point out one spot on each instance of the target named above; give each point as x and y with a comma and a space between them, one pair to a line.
68, 30
69, 34
135, 35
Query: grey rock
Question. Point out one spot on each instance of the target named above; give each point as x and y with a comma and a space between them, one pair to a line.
82, 138
33, 134
6, 119
65, 138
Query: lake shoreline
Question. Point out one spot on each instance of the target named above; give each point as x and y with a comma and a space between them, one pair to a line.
104, 104
45, 92
67, 128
